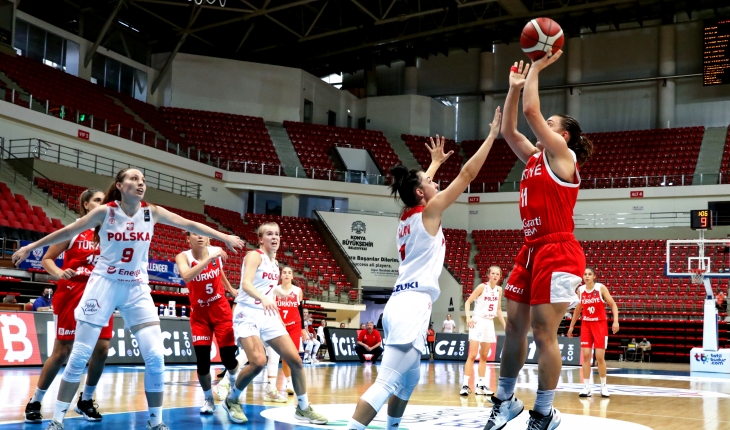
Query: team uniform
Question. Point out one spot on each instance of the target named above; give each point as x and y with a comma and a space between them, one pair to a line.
408, 311
593, 329
80, 256
550, 264
210, 311
289, 311
250, 319
485, 309
119, 279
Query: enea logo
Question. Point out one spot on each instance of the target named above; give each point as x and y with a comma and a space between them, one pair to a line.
358, 227
18, 339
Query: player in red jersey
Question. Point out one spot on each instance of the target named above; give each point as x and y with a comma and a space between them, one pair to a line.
593, 329
124, 227
78, 260
551, 263
201, 267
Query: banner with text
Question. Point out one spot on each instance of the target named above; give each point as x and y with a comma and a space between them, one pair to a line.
370, 243
341, 344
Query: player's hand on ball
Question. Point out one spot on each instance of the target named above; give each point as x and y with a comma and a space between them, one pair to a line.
615, 327
436, 148
518, 74
20, 255
67, 274
547, 60
570, 332
496, 123
234, 243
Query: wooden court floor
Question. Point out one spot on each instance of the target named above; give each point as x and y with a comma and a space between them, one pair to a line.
646, 395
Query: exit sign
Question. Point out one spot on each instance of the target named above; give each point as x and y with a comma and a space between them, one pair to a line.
474, 199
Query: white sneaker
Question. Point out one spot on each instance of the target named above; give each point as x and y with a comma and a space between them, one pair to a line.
274, 396
585, 392
465, 390
208, 406
483, 390
307, 361
604, 391
314, 360
222, 389
290, 389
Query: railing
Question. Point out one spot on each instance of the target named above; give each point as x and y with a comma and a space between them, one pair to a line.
635, 181
632, 220
59, 154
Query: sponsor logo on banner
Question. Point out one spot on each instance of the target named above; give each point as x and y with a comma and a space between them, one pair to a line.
38, 253
18, 339
91, 307
358, 227
34, 259
451, 346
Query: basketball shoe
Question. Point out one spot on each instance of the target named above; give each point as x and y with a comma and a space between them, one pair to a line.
585, 392
208, 406
483, 390
503, 412
87, 409
235, 413
160, 426
465, 390
33, 412
543, 422
271, 394
604, 391
55, 425
310, 415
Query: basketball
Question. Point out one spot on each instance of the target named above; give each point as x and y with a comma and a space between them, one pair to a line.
539, 36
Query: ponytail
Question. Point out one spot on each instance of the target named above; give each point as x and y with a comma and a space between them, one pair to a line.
405, 183
578, 142
85, 197
112, 194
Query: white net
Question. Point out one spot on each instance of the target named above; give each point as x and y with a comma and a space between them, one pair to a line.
697, 275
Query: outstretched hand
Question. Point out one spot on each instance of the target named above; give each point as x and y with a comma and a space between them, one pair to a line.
518, 74
496, 123
436, 148
548, 59
234, 243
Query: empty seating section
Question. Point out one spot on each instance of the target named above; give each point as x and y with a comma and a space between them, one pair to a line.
651, 158
457, 257
315, 143
448, 171
239, 143
16, 213
496, 248
71, 98
151, 115
499, 162
725, 163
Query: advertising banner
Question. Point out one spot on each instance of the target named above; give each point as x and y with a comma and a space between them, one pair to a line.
455, 346
341, 344
34, 259
701, 360
370, 243
26, 338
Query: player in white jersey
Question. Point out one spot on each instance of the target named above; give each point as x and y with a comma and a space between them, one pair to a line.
256, 320
421, 251
124, 227
487, 299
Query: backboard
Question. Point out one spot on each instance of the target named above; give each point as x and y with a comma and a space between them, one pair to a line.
712, 255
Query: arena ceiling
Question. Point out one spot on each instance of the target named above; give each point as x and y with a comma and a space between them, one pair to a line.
332, 36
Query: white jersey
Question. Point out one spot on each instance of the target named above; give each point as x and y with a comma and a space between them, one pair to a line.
485, 306
265, 280
421, 255
124, 244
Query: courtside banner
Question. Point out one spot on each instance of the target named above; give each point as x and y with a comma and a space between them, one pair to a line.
27, 338
34, 259
370, 243
341, 344
451, 346
569, 350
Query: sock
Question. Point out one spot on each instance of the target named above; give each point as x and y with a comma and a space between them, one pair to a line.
303, 401
354, 425
587, 383
59, 412
480, 381
38, 395
155, 416
603, 381
208, 393
544, 402
466, 381
288, 380
232, 374
234, 394
392, 423
88, 393
506, 387
272, 383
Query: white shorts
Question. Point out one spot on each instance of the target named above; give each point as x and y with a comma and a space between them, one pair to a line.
483, 331
405, 320
248, 321
103, 295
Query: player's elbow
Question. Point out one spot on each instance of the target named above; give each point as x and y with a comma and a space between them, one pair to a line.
530, 110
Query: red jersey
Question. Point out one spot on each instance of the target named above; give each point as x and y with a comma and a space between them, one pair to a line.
207, 287
546, 201
81, 256
594, 307
370, 339
289, 307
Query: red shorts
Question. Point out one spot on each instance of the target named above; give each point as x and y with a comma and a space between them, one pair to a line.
594, 334
67, 298
215, 318
547, 270
295, 333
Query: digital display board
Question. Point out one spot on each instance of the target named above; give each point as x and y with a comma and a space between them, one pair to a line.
715, 52
700, 219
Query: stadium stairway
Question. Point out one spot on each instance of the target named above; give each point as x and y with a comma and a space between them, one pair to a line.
473, 251
514, 175
710, 157
283, 146
402, 151
137, 118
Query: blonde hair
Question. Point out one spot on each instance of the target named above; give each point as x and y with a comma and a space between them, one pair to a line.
495, 267
262, 228
207, 239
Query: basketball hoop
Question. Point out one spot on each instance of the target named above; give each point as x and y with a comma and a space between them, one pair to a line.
697, 275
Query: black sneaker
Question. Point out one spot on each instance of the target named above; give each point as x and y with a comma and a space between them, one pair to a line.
543, 422
87, 409
33, 412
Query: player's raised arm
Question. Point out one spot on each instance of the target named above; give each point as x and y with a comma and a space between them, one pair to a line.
520, 145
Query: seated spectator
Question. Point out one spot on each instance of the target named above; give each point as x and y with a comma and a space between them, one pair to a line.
632, 345
342, 325
644, 344
369, 342
721, 301
9, 299
43, 303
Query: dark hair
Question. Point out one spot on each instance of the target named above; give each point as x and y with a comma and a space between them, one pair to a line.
112, 194
85, 197
581, 145
592, 270
404, 184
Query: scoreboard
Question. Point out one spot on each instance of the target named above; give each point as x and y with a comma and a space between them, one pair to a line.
700, 219
716, 52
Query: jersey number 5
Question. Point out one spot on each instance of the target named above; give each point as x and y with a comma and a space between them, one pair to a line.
209, 289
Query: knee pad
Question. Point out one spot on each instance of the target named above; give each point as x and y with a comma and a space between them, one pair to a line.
150, 345
80, 355
272, 365
228, 357
409, 384
385, 385
202, 353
